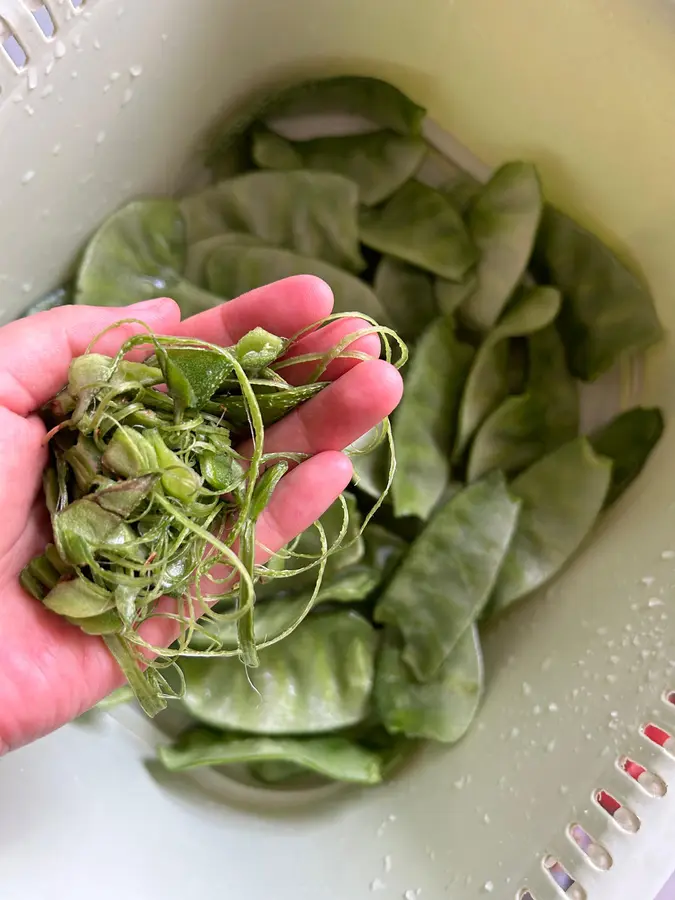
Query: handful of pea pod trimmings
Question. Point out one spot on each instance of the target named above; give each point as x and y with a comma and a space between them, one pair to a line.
509, 306
149, 498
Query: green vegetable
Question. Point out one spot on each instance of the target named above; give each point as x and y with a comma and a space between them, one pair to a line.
137, 254
332, 757
527, 426
628, 441
310, 213
562, 495
378, 162
608, 310
487, 383
503, 222
235, 270
369, 98
407, 295
424, 426
443, 707
444, 582
420, 226
318, 679
450, 295
199, 253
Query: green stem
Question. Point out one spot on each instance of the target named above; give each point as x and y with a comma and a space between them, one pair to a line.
148, 697
245, 626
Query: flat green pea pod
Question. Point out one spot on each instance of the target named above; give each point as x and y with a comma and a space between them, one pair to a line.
450, 295
527, 426
272, 406
333, 757
440, 709
84, 529
379, 162
318, 679
265, 487
137, 254
259, 349
487, 384
312, 213
443, 583
235, 270
424, 424
561, 495
628, 441
193, 376
358, 95
40, 576
503, 222
608, 311
200, 252
422, 227
79, 599
407, 294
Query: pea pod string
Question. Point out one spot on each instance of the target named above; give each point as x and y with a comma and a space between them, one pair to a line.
154, 511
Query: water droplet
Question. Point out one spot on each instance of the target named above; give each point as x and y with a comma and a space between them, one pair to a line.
28, 176
459, 784
550, 747
647, 580
564, 790
668, 554
165, 36
611, 679
27, 287
77, 40
49, 67
106, 88
49, 89
56, 149
74, 74
486, 818
553, 707
59, 49
136, 71
126, 96
114, 76
546, 665
377, 884
653, 602
120, 12
29, 109
536, 710
515, 731
100, 137
32, 78
489, 887
527, 689
97, 44
614, 660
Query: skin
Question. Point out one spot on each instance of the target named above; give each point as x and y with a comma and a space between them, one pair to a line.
50, 672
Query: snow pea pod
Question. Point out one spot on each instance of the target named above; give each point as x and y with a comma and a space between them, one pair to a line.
503, 220
608, 311
562, 495
424, 425
447, 576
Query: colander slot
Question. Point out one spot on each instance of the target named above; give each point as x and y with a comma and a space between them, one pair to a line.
597, 854
44, 19
525, 895
12, 47
624, 817
563, 880
660, 737
649, 782
78, 3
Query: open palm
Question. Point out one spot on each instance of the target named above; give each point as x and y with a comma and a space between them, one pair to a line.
50, 671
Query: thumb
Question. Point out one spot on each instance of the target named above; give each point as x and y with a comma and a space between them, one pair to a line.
35, 353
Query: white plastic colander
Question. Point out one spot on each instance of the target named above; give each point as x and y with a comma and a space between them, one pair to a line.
105, 101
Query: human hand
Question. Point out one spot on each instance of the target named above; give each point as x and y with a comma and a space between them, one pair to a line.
50, 671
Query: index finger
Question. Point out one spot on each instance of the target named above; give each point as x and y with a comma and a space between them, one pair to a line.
35, 352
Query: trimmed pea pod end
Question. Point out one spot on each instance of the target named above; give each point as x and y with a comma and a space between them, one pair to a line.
149, 498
